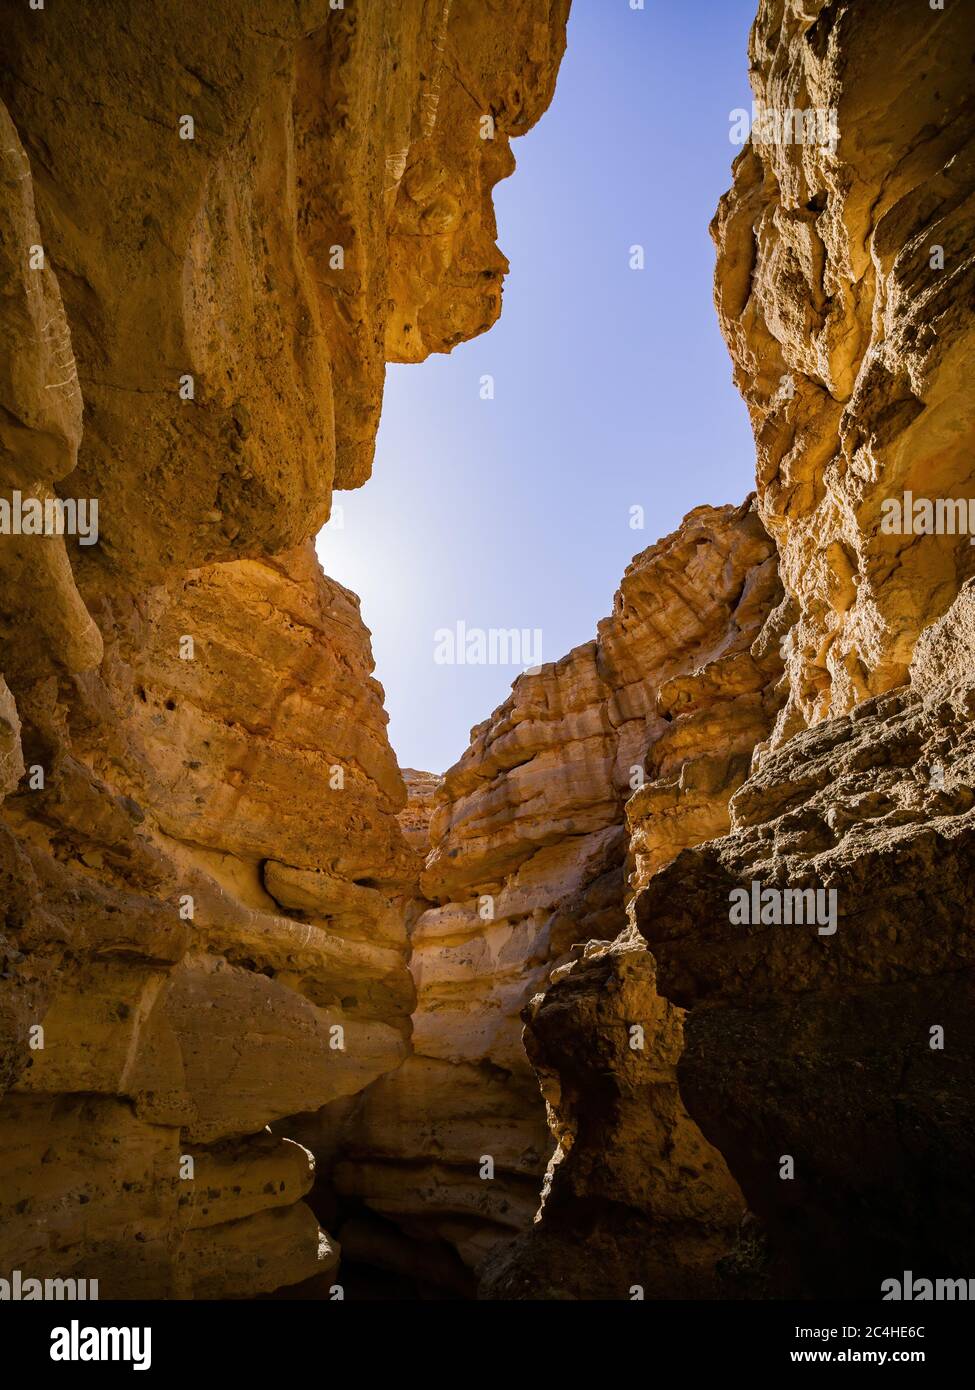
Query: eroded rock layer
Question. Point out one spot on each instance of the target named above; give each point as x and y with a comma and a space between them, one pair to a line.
820, 944
844, 286
500, 1028
636, 1201
209, 958
815, 1058
216, 225
845, 1045
528, 855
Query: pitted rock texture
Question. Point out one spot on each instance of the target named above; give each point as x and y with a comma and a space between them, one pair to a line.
634, 1197
44, 625
415, 816
207, 891
529, 856
331, 211
851, 1052
173, 778
253, 982
844, 290
844, 285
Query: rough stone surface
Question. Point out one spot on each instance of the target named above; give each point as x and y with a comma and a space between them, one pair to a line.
825, 1047
497, 1028
529, 855
166, 778
843, 286
207, 892
44, 626
849, 338
850, 346
634, 1197
331, 212
415, 816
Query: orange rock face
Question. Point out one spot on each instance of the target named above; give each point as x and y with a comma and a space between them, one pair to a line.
272, 200
843, 287
213, 961
529, 855
415, 816
215, 228
263, 994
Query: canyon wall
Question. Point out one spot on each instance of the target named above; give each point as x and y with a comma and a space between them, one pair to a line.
827, 1060
847, 269
528, 859
843, 286
497, 1031
216, 226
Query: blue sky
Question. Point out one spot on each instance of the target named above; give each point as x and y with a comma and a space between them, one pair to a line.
612, 386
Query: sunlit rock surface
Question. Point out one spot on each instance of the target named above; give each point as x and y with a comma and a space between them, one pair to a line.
528, 855
844, 290
262, 994
331, 211
843, 285
216, 225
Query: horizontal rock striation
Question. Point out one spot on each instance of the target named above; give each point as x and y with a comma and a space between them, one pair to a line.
843, 286
664, 989
825, 1060
215, 229
529, 856
211, 960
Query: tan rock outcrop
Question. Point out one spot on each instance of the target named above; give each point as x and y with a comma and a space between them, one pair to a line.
328, 208
207, 891
254, 981
44, 626
843, 285
635, 1202
415, 816
528, 855
842, 1042
179, 785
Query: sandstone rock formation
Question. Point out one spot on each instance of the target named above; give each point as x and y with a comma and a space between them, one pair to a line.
336, 168
215, 227
844, 289
850, 1052
843, 286
636, 1202
528, 856
262, 994
415, 816
213, 932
